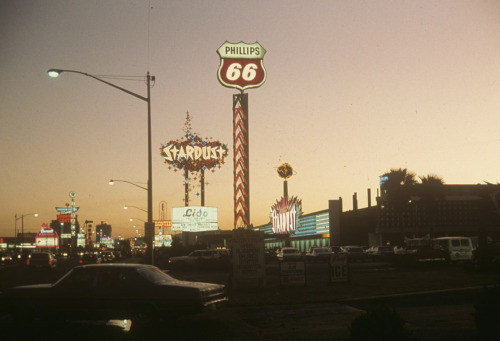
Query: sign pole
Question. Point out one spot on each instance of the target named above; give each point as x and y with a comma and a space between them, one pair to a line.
241, 67
241, 161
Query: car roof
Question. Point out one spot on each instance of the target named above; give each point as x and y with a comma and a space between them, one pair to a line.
117, 265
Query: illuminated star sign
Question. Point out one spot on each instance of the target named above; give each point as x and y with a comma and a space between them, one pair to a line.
192, 153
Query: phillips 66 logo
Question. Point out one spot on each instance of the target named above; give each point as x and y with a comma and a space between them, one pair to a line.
241, 65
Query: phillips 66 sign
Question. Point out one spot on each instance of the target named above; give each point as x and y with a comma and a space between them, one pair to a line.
241, 65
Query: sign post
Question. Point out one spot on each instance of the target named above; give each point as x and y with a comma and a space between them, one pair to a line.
241, 67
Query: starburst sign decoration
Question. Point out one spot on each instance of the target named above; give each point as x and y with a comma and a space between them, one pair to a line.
192, 153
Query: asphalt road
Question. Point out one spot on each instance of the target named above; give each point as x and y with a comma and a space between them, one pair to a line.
432, 300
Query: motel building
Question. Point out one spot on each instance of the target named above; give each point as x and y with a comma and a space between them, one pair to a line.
464, 210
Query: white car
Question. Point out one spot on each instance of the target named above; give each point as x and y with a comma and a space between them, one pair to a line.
319, 254
289, 253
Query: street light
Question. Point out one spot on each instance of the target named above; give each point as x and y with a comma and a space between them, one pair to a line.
127, 206
132, 219
112, 182
22, 225
149, 226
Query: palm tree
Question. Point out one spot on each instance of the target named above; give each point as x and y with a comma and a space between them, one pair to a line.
431, 190
396, 188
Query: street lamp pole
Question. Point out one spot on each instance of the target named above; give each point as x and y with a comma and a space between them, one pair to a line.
149, 225
22, 225
112, 182
141, 209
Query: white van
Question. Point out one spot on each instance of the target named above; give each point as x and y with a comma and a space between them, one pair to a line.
459, 248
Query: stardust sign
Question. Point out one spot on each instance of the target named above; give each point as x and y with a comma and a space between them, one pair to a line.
193, 153
194, 218
285, 215
207, 155
241, 65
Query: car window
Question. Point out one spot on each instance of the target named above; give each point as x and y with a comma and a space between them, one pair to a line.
155, 275
464, 242
455, 242
78, 279
111, 279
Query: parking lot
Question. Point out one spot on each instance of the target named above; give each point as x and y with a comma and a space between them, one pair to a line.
431, 298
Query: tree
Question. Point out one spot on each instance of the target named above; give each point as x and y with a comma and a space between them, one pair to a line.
431, 190
396, 188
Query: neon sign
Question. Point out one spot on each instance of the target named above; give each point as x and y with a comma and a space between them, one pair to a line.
193, 153
285, 215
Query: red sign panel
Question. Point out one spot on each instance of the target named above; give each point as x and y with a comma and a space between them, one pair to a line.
65, 218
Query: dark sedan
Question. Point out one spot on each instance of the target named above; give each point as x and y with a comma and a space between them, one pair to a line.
141, 293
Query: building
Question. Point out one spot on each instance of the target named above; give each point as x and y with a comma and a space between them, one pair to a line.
103, 232
465, 210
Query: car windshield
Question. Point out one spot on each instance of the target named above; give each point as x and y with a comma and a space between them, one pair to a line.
290, 251
155, 275
322, 250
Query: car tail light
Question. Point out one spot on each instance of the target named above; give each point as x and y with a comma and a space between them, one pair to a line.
28, 261
80, 261
50, 261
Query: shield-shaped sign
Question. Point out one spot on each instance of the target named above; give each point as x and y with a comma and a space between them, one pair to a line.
241, 65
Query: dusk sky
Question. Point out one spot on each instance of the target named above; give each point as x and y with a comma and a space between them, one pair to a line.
353, 89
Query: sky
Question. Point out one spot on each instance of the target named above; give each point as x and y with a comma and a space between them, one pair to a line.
353, 89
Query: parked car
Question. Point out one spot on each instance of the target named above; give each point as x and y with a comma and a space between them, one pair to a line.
139, 292
355, 253
318, 254
42, 260
457, 248
200, 257
336, 249
289, 253
382, 251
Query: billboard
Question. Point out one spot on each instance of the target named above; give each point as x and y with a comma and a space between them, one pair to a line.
46, 238
194, 218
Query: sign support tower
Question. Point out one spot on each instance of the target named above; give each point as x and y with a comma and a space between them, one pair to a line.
241, 67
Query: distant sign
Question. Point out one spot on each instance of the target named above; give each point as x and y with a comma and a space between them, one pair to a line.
292, 273
247, 249
339, 268
285, 215
194, 219
241, 65
46, 238
65, 218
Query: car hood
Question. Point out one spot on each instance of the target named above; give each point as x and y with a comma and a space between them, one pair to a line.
197, 285
31, 286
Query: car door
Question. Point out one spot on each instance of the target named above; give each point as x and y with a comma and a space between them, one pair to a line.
118, 291
72, 296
